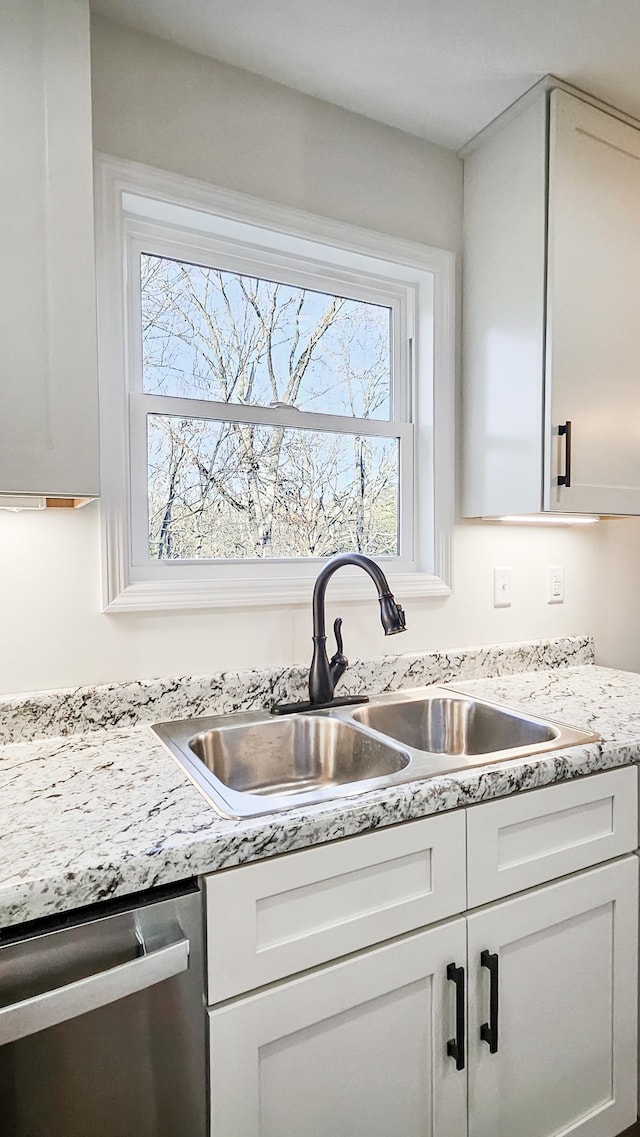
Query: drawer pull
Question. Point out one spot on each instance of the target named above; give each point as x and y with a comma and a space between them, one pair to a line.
455, 1046
489, 1031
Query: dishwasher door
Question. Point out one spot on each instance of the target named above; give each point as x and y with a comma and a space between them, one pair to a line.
102, 1024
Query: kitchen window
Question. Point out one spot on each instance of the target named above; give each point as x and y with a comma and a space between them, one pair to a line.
270, 383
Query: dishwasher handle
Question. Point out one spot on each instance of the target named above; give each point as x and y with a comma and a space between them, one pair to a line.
18, 1020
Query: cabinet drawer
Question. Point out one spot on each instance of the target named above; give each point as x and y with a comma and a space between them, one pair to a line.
277, 917
519, 842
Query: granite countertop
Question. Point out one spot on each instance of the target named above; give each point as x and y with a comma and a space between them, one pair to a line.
106, 811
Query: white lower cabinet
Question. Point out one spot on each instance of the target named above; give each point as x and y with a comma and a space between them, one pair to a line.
362, 1048
357, 1048
567, 960
515, 1019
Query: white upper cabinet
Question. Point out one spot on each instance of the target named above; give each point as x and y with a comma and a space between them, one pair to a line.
551, 313
48, 368
593, 309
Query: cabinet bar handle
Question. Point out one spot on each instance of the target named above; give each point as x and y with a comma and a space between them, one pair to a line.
455, 1046
565, 429
489, 1031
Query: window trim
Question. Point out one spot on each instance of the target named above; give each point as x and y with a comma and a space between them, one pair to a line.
284, 582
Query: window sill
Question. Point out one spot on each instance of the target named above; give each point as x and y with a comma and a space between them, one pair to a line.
191, 595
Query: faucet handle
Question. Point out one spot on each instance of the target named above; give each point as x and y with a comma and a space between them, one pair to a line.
338, 662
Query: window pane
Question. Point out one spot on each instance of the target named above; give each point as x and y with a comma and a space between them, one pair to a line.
218, 335
236, 490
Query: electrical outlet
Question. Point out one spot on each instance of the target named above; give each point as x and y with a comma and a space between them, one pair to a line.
502, 587
555, 584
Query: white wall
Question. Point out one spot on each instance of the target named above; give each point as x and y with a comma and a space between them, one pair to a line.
158, 104
618, 607
166, 107
54, 635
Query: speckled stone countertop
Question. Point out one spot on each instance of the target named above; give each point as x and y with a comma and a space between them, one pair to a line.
91, 808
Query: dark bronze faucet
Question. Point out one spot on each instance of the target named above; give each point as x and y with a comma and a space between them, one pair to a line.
325, 673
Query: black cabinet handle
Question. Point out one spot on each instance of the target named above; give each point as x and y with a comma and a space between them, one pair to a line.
455, 1046
489, 1031
565, 479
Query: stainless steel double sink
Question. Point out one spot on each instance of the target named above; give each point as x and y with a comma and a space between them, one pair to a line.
250, 764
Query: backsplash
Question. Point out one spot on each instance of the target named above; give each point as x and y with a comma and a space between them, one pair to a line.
46, 714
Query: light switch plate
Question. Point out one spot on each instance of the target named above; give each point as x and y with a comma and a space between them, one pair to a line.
502, 587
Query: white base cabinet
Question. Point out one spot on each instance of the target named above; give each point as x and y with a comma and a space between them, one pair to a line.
359, 1047
567, 960
515, 1019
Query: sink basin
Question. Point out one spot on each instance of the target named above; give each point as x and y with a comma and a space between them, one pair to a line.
451, 724
292, 756
252, 763
262, 766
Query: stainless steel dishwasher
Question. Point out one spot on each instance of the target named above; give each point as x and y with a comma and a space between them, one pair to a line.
102, 1021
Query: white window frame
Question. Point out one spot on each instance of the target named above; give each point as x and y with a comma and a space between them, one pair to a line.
195, 246
143, 209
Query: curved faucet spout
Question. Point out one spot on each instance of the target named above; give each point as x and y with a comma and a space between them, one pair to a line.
325, 673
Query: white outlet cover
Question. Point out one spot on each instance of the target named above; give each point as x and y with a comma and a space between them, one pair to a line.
555, 584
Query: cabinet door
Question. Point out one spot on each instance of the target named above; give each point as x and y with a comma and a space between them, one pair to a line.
567, 963
593, 314
48, 365
359, 1047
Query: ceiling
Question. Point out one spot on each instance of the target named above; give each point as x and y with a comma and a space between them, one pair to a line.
440, 69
